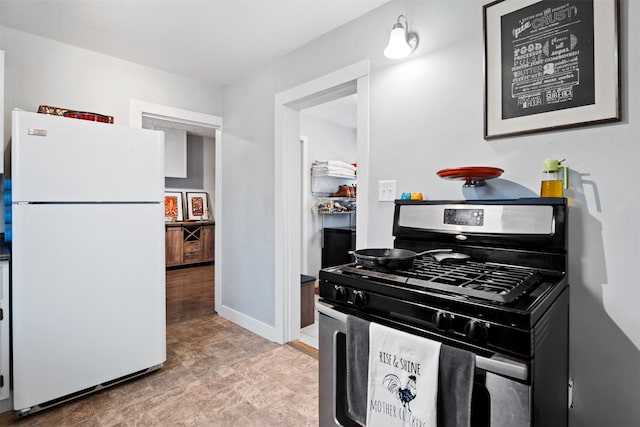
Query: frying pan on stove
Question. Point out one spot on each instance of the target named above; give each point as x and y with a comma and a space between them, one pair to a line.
402, 258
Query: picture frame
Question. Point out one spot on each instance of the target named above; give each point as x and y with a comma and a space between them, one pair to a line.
173, 206
197, 206
550, 65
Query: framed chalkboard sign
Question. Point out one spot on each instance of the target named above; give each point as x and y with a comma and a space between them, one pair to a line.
549, 65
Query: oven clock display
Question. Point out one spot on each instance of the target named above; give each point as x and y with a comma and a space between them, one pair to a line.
473, 217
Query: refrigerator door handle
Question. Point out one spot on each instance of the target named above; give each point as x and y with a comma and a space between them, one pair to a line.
37, 132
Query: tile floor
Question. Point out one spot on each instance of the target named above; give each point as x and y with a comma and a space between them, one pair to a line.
216, 374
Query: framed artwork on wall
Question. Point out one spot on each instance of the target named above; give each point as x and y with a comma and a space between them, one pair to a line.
173, 206
550, 65
197, 206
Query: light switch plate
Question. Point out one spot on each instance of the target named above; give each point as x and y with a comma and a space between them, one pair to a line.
387, 191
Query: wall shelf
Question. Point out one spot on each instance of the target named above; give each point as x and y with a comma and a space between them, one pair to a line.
326, 185
336, 206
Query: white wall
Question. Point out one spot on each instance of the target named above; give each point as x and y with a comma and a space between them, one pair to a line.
41, 71
326, 141
426, 113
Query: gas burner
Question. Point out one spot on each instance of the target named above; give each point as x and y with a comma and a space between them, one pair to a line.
491, 282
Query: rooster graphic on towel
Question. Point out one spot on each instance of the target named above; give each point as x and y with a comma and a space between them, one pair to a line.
402, 383
404, 395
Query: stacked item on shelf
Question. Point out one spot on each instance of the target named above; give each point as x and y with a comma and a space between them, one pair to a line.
333, 178
335, 168
328, 206
345, 191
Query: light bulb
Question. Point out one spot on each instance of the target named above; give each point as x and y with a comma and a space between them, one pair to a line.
398, 46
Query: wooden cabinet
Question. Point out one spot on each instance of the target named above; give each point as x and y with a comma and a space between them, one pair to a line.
173, 246
208, 241
307, 300
189, 242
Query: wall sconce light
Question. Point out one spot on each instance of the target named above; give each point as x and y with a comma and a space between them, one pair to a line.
401, 42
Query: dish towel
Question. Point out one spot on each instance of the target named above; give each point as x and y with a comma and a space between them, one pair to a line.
357, 352
455, 386
334, 163
336, 171
402, 385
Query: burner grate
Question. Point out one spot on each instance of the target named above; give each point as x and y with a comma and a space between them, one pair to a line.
491, 282
487, 281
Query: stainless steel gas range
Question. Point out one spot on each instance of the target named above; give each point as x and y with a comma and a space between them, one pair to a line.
508, 304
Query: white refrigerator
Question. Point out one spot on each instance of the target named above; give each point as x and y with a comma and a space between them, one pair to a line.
87, 258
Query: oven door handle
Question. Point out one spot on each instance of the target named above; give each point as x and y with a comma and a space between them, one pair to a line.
503, 366
495, 364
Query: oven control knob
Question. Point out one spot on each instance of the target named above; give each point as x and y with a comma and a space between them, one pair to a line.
476, 331
339, 293
359, 298
442, 321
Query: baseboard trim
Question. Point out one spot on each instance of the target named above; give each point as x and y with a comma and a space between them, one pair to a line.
255, 326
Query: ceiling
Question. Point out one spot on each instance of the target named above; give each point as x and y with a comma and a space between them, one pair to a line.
342, 111
217, 41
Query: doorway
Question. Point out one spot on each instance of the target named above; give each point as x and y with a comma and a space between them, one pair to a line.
350, 80
209, 126
328, 220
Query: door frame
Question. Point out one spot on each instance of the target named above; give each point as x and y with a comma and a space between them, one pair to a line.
304, 202
139, 109
343, 82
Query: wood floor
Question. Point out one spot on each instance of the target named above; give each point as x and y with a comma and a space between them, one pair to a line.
190, 292
216, 374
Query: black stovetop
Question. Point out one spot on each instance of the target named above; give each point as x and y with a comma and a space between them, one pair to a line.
505, 327
501, 293
485, 281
